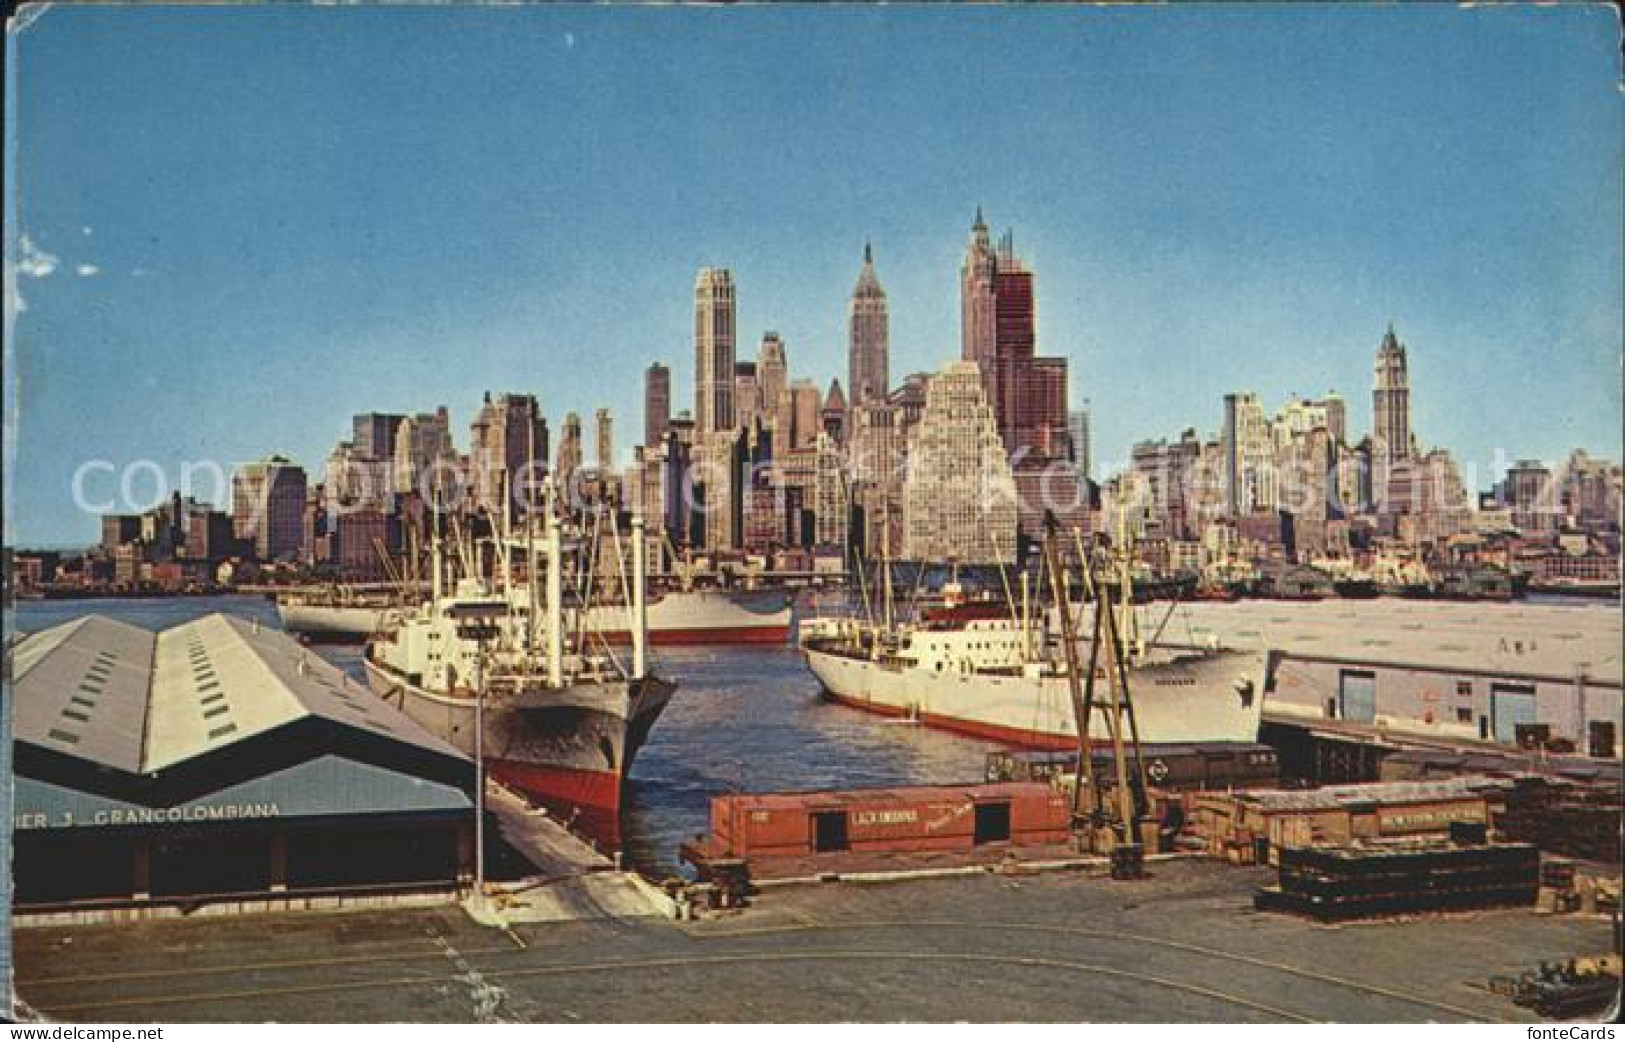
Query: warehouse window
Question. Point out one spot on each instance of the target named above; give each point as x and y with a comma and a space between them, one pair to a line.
221, 732
1464, 687
1464, 715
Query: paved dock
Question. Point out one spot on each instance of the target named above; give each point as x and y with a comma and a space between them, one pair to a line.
1182, 946
571, 878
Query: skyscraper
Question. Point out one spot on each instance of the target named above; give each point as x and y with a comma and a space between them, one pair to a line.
569, 459
772, 370
747, 394
959, 498
374, 436
422, 448
604, 426
508, 449
268, 507
999, 333
714, 350
976, 301
1079, 421
1391, 402
869, 337
656, 405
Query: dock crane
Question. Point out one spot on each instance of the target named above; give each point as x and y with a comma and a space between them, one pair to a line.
1115, 826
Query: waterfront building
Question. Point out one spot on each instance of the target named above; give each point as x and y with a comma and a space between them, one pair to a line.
508, 445
219, 758
656, 405
959, 494
714, 351
268, 507
868, 336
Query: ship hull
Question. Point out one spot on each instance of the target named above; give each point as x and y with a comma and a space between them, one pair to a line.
707, 617
1189, 698
567, 749
701, 617
335, 624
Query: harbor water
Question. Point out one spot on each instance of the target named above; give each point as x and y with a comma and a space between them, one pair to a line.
743, 719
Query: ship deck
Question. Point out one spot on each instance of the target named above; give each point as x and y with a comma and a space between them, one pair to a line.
1184, 946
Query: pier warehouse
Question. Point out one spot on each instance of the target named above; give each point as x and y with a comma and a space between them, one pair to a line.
219, 761
1434, 671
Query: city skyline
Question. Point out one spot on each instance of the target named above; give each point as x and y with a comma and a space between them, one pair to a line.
1131, 284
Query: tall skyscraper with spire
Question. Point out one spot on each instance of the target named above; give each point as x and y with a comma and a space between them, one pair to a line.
869, 337
976, 299
714, 351
999, 333
1391, 402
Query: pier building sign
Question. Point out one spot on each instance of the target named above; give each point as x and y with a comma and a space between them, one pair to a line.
126, 815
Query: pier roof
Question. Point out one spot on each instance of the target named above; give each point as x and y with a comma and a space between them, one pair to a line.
141, 702
1519, 639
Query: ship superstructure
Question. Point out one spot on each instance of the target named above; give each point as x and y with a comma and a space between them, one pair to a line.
564, 713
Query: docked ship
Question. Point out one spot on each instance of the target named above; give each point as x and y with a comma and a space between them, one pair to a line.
564, 715
983, 669
675, 617
338, 614
703, 616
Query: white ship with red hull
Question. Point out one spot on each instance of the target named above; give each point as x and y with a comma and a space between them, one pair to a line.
676, 618
563, 716
703, 616
985, 674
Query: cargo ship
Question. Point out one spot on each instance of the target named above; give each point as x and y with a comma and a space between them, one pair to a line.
339, 614
981, 669
675, 617
703, 616
564, 717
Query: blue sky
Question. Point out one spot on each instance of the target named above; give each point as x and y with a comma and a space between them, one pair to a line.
260, 220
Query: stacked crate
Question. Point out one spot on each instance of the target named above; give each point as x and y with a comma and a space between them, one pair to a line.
1581, 821
1333, 884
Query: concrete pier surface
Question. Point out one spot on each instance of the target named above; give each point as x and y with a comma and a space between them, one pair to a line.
1182, 946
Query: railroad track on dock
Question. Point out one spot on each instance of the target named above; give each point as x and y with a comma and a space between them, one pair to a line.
496, 964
